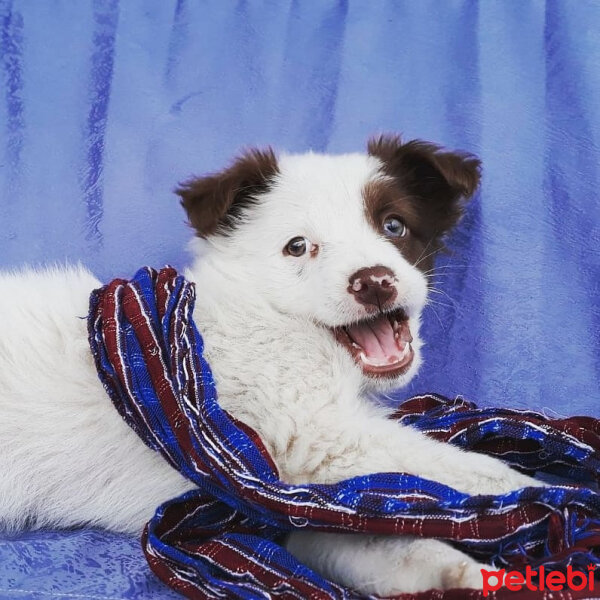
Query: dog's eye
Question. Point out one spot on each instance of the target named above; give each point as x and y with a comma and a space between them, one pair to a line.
297, 246
394, 227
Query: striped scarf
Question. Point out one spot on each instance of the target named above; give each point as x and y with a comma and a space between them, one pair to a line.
223, 539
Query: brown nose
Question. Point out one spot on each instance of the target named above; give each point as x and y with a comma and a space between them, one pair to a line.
373, 286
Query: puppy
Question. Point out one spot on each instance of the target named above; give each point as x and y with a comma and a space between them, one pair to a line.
311, 276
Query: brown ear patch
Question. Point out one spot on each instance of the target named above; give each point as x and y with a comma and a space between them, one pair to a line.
215, 203
459, 170
428, 183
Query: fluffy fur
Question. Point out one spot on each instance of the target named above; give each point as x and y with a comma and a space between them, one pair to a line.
272, 322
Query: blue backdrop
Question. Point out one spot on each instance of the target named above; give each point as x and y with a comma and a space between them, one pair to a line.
105, 105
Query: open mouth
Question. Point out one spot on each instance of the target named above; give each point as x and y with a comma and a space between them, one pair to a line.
380, 345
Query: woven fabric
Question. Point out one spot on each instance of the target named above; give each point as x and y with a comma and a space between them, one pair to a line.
222, 539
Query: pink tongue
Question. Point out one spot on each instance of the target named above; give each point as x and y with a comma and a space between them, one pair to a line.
376, 338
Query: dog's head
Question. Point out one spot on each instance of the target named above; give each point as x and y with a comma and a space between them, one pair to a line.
345, 241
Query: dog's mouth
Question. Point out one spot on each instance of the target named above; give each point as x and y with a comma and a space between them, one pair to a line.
380, 345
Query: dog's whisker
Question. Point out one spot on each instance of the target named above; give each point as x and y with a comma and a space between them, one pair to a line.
421, 257
438, 317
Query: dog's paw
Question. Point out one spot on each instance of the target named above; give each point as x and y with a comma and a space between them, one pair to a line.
465, 574
511, 481
499, 480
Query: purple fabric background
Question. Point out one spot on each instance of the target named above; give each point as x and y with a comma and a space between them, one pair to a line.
105, 105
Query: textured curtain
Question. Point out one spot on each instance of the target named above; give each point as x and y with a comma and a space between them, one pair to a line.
105, 105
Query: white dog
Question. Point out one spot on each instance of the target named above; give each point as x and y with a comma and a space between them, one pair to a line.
310, 282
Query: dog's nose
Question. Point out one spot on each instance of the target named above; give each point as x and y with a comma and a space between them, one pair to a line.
373, 286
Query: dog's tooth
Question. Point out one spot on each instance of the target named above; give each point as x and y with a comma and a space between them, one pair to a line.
385, 363
404, 350
366, 359
373, 363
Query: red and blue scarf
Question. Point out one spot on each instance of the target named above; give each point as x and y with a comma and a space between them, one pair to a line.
223, 539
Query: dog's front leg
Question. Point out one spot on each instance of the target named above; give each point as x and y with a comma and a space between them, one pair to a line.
385, 565
388, 565
360, 447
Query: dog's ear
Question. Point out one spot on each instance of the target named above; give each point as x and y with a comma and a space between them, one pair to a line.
439, 180
214, 203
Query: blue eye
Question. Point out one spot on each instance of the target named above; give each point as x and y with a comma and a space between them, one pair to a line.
394, 227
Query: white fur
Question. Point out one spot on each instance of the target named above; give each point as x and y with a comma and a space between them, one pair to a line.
68, 458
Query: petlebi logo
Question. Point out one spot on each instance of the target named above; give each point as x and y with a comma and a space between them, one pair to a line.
553, 581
